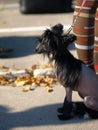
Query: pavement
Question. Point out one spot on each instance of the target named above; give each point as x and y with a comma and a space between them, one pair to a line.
36, 109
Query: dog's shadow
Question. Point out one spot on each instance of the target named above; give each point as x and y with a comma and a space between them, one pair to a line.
22, 45
33, 117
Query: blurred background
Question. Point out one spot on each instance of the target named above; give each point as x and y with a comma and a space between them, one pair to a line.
42, 6
21, 23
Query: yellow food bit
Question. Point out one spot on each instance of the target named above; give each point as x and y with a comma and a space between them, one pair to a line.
22, 80
25, 89
49, 89
46, 66
3, 80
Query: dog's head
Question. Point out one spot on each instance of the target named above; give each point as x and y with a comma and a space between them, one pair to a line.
53, 41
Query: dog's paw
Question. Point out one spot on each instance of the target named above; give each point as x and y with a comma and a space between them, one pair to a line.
86, 116
64, 117
60, 110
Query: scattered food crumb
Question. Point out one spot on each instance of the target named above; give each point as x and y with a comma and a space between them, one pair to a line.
27, 79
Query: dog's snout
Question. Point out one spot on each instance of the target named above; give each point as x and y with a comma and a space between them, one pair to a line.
36, 50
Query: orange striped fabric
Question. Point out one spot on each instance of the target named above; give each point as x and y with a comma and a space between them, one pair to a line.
95, 67
95, 48
88, 3
84, 30
82, 39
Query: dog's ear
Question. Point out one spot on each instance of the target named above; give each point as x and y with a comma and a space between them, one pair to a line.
57, 29
47, 33
45, 36
68, 39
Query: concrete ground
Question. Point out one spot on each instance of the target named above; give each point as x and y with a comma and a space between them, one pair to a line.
36, 109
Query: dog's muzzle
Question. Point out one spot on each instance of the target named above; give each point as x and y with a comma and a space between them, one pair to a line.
39, 50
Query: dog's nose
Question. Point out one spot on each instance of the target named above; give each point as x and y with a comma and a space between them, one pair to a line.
36, 49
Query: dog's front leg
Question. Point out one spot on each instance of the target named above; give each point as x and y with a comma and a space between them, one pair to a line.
66, 110
68, 97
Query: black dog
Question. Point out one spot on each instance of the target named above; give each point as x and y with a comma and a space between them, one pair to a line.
53, 44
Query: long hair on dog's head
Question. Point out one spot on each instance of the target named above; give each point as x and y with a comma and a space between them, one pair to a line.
53, 43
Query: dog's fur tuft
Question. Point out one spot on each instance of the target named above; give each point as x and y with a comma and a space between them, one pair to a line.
53, 44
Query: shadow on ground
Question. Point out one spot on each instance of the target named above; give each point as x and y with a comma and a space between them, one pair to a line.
34, 117
22, 45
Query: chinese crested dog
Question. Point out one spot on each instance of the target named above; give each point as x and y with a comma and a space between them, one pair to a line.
72, 73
